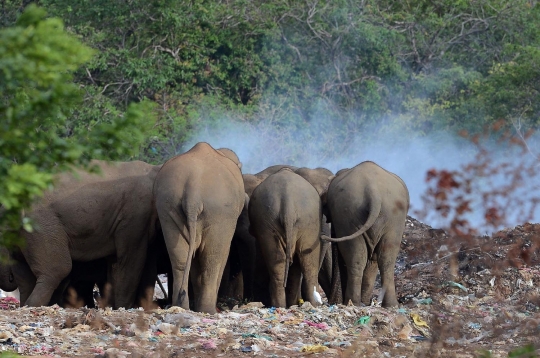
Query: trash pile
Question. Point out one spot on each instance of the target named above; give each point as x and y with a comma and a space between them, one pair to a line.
456, 299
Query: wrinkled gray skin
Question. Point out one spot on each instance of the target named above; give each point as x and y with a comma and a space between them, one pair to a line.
245, 262
285, 216
87, 217
199, 196
367, 206
253, 271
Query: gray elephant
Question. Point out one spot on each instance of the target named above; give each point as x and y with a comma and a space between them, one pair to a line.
245, 258
199, 196
83, 291
285, 214
77, 289
367, 206
87, 217
244, 247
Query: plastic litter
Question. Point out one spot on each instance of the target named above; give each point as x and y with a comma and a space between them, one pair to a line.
369, 331
363, 320
7, 303
207, 343
253, 335
424, 301
455, 284
314, 349
322, 326
418, 321
405, 332
472, 325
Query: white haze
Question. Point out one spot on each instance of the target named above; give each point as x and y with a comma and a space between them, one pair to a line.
318, 145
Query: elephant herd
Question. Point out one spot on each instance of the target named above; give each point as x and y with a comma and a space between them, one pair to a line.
276, 234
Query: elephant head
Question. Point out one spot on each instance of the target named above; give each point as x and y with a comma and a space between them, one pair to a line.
250, 183
342, 171
320, 178
263, 174
231, 155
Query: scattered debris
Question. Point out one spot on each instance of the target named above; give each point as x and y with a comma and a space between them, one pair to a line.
459, 298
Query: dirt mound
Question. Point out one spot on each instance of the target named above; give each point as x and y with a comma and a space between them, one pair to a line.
473, 296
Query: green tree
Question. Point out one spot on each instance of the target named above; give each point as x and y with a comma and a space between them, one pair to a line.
418, 66
37, 96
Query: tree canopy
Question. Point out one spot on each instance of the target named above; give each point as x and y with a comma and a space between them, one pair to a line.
421, 66
38, 98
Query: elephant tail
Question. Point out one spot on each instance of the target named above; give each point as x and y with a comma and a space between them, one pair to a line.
289, 237
192, 232
375, 204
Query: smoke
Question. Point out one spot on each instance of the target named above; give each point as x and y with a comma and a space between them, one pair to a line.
332, 144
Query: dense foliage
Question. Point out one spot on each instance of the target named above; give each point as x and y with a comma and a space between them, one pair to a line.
38, 99
422, 66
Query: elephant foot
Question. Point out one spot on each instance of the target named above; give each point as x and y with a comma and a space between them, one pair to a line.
359, 304
389, 303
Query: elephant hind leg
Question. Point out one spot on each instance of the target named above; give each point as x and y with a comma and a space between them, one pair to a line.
175, 237
310, 270
354, 254
292, 291
127, 273
325, 274
273, 255
368, 281
208, 266
388, 252
338, 277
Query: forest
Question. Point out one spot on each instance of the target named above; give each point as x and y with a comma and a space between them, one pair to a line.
142, 79
419, 66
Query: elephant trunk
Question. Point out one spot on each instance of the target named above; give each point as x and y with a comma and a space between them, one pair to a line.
375, 204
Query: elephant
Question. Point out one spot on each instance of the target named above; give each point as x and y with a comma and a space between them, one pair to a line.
367, 206
7, 280
80, 281
86, 217
319, 178
285, 217
251, 181
244, 245
265, 173
198, 196
77, 289
253, 271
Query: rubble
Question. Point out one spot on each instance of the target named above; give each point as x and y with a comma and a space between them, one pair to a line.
456, 299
